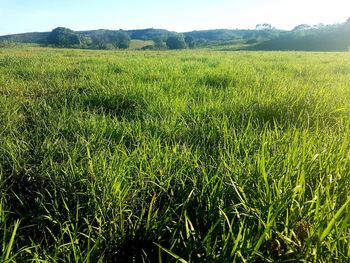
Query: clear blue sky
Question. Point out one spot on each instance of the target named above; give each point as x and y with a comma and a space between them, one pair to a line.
18, 16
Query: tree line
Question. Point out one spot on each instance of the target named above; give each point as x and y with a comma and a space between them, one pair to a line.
310, 38
264, 37
112, 39
103, 39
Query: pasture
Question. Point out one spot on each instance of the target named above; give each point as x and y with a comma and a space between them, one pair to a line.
189, 156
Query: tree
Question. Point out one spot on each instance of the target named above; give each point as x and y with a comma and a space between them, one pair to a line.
120, 39
159, 43
63, 37
109, 39
347, 23
264, 27
190, 42
302, 27
176, 42
85, 42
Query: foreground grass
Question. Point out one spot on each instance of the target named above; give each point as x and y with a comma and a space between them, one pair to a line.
174, 156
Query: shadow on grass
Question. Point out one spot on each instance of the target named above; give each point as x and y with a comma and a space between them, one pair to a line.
216, 81
32, 198
128, 106
303, 113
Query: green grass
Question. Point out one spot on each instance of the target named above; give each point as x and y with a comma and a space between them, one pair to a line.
139, 44
191, 156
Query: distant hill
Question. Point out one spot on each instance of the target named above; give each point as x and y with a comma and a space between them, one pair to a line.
232, 34
40, 38
34, 37
203, 38
264, 37
150, 34
321, 38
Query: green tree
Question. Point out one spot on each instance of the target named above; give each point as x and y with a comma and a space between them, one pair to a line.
302, 27
63, 37
347, 23
85, 42
119, 39
191, 43
176, 42
264, 26
110, 39
159, 43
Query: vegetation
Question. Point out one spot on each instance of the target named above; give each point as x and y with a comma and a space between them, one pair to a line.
190, 156
151, 33
34, 38
63, 37
176, 42
190, 42
264, 37
109, 39
308, 38
140, 44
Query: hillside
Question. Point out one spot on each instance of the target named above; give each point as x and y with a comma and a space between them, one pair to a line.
152, 33
32, 37
40, 37
324, 38
303, 37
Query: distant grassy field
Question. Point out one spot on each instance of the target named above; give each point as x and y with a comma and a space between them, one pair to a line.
190, 156
138, 44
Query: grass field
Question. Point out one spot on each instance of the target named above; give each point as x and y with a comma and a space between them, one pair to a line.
139, 44
191, 156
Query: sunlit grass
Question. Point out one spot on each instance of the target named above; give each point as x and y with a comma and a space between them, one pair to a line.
194, 156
